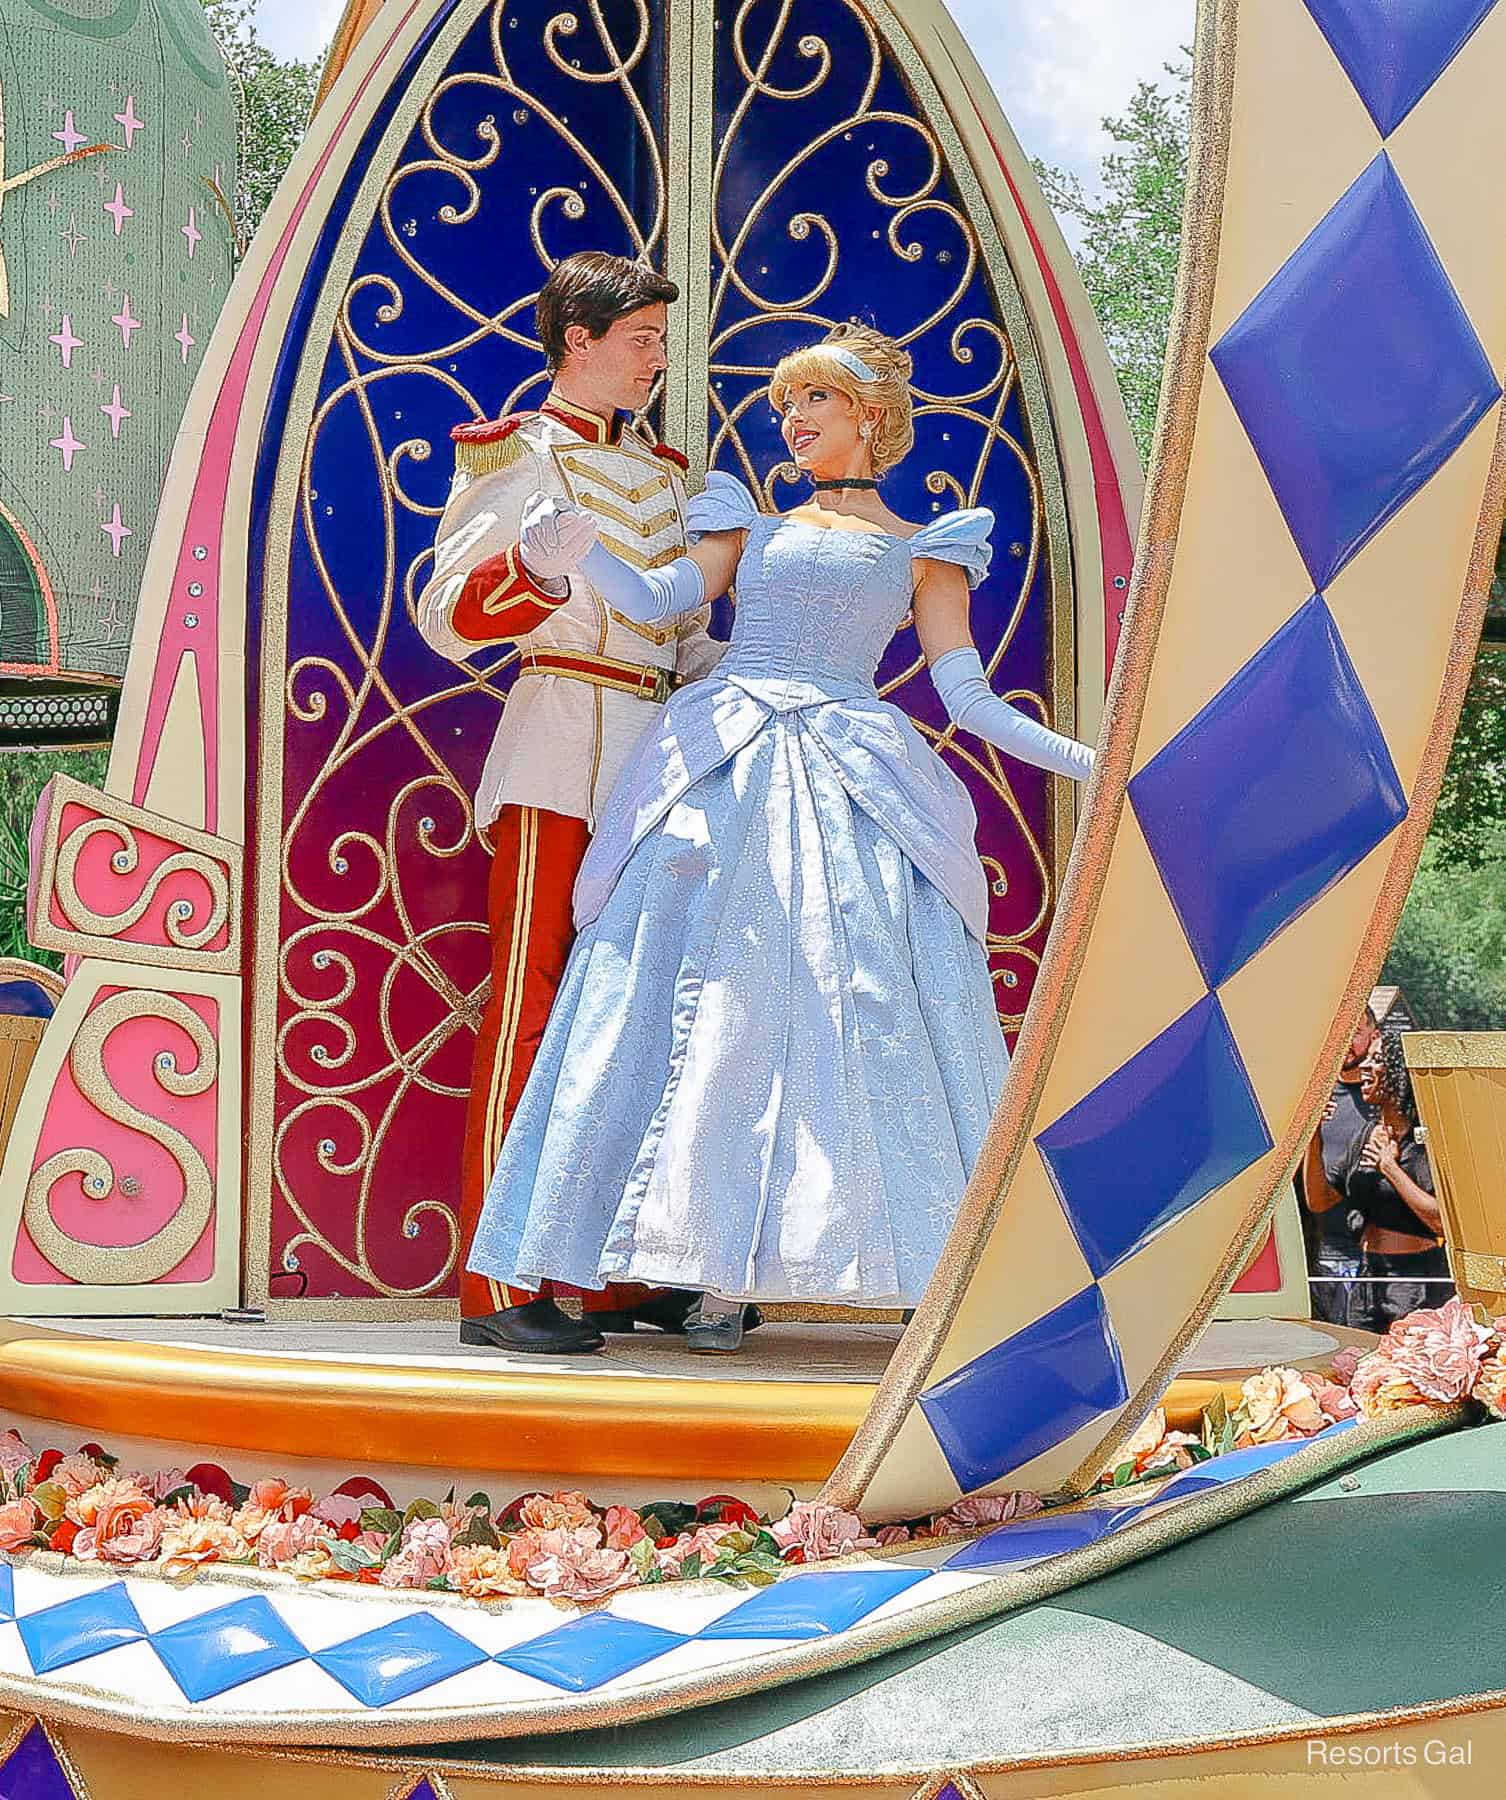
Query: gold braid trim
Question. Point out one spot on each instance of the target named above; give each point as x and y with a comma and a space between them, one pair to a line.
489, 458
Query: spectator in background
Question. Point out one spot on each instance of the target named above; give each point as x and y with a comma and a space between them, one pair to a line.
1390, 1183
1334, 1245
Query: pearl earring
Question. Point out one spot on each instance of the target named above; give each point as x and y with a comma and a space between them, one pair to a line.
865, 430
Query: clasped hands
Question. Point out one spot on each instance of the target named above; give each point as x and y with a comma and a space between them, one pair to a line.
553, 537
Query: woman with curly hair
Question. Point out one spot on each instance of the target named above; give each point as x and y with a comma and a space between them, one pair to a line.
776, 1050
1389, 1182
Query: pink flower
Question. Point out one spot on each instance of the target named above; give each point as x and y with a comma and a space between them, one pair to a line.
121, 1523
987, 1509
1380, 1387
18, 1520
1334, 1401
422, 1556
1342, 1368
704, 1541
624, 1528
1440, 1352
75, 1474
818, 1531
338, 1510
1490, 1385
282, 1542
189, 1543
554, 1512
890, 1535
199, 1505
572, 1563
15, 1453
163, 1483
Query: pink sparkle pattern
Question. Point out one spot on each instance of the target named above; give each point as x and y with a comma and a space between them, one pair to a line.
191, 232
118, 210
129, 120
186, 339
115, 530
126, 322
66, 341
114, 412
68, 137
68, 444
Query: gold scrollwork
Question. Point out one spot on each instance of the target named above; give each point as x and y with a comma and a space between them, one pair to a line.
156, 1256
124, 862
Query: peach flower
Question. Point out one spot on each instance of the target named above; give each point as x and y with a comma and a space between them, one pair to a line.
1334, 1401
1342, 1368
19, 1519
1440, 1352
188, 1543
480, 1572
77, 1473
268, 1501
704, 1541
555, 1512
199, 1505
282, 1542
121, 1523
624, 1528
1380, 1387
818, 1531
1277, 1404
422, 1556
1490, 1386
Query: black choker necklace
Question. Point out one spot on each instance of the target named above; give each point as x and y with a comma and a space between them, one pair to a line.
823, 487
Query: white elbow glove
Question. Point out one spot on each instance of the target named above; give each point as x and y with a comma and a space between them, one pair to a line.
553, 536
972, 705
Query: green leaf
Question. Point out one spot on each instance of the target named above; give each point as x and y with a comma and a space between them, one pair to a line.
667, 1518
420, 1509
1124, 1474
353, 1558
381, 1518
480, 1530
691, 1567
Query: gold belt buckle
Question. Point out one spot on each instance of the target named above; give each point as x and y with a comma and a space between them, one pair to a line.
660, 687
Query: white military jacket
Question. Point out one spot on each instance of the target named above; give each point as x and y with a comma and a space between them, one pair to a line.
563, 736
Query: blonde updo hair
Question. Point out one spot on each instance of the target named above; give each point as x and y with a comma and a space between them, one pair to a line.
815, 366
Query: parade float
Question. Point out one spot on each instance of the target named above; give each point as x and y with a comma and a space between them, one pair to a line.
1066, 1531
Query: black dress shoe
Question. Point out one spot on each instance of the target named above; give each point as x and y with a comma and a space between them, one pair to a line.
666, 1311
539, 1328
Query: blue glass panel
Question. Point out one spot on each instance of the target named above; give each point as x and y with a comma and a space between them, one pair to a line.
220, 1650
1356, 372
590, 1650
1176, 1121
1027, 1540
33, 1772
819, 1605
1028, 1393
1221, 1470
75, 1629
7, 1592
25, 1000
1394, 50
1278, 788
399, 1659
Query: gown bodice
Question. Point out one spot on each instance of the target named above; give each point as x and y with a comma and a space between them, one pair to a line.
821, 605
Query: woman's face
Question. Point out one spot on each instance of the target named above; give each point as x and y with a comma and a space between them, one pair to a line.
1373, 1075
822, 428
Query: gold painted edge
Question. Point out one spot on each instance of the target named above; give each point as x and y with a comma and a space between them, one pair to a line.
1082, 890
1199, 1513
1444, 1052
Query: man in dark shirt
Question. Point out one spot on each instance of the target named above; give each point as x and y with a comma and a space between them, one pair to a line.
1335, 1256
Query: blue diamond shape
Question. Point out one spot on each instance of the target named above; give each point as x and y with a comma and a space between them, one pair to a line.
1160, 1134
75, 1629
590, 1650
7, 1592
1029, 1393
1356, 372
1028, 1540
399, 1659
32, 1771
1278, 788
220, 1650
1394, 50
818, 1605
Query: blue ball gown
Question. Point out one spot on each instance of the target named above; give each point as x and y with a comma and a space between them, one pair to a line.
775, 1051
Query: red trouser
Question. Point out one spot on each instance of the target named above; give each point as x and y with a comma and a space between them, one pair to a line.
537, 857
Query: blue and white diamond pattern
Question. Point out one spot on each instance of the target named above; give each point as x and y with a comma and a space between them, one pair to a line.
1357, 375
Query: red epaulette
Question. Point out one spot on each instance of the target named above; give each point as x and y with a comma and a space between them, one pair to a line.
677, 457
489, 431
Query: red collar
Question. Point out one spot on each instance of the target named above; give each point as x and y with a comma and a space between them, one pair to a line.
589, 425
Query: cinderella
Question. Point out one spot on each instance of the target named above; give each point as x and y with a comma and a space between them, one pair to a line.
775, 1052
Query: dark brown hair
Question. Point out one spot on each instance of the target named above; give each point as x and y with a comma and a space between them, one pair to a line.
595, 289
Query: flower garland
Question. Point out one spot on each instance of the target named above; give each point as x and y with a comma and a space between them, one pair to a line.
563, 1547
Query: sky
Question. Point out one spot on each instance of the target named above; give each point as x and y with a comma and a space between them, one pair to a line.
1058, 66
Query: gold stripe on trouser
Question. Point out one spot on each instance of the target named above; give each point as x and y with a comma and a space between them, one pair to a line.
512, 999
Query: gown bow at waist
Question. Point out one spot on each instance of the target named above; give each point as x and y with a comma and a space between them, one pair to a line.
882, 761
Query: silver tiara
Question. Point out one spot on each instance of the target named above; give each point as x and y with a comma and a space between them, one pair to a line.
850, 360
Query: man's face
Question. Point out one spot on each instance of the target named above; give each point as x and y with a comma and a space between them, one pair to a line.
622, 366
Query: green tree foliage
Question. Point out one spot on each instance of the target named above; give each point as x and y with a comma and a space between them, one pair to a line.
23, 775
1450, 948
273, 101
1131, 236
